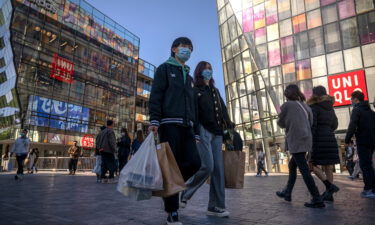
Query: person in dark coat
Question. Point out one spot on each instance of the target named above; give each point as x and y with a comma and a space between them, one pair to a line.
123, 148
325, 153
237, 141
362, 125
137, 141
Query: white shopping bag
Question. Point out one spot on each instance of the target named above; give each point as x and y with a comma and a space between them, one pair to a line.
142, 172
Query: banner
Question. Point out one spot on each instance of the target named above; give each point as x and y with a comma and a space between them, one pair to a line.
62, 69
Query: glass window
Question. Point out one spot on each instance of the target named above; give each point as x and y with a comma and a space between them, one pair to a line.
248, 20
228, 52
306, 87
236, 112
318, 66
250, 84
346, 9
286, 28
364, 5
222, 16
332, 37
366, 24
343, 117
353, 59
235, 47
301, 43
311, 4
299, 23
260, 36
329, 14
313, 19
238, 66
368, 55
303, 69
232, 28
272, 32
259, 16
241, 87
246, 62
321, 81
287, 49
225, 34
284, 9
243, 43
275, 76
289, 73
370, 79
298, 7
326, 2
274, 53
316, 41
261, 58
335, 63
349, 33
231, 71
229, 10
245, 109
271, 12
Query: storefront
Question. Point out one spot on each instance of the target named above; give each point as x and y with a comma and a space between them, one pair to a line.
65, 68
268, 44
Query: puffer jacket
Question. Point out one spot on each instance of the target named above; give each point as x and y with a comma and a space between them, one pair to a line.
106, 141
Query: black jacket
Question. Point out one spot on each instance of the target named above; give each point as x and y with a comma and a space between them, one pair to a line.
362, 124
212, 112
325, 147
124, 146
172, 100
237, 141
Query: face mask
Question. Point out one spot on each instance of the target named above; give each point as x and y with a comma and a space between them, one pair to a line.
23, 135
207, 74
183, 54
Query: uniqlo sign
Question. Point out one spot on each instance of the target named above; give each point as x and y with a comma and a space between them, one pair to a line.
341, 86
62, 69
87, 141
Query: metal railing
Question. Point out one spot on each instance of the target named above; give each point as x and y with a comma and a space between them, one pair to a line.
55, 163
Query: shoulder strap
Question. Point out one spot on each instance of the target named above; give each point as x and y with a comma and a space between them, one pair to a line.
304, 110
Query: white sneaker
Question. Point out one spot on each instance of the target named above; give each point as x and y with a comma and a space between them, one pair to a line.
368, 194
218, 212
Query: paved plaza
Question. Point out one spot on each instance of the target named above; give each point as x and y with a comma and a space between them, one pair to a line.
51, 199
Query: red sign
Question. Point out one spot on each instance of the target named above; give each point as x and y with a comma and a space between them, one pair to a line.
341, 86
62, 69
87, 141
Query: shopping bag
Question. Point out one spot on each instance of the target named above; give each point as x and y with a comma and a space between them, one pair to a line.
173, 182
234, 169
10, 165
136, 193
143, 171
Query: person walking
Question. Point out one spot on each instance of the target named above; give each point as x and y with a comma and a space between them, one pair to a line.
74, 154
106, 143
296, 117
5, 159
325, 153
349, 155
260, 164
137, 142
213, 119
98, 162
20, 149
31, 161
362, 125
123, 148
173, 113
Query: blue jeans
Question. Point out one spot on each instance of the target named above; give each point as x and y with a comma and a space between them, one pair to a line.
212, 164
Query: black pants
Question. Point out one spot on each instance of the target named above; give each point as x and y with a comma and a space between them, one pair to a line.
350, 166
365, 153
122, 159
73, 165
20, 163
261, 168
182, 142
299, 160
108, 164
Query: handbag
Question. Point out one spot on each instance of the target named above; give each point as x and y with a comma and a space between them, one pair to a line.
234, 169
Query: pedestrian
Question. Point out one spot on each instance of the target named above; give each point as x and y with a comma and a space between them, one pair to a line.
31, 161
357, 169
213, 119
5, 159
106, 143
123, 148
349, 154
137, 142
260, 164
325, 151
173, 114
98, 162
74, 154
33, 167
362, 125
20, 149
296, 117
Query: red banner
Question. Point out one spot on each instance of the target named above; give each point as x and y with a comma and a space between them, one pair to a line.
62, 69
87, 141
341, 86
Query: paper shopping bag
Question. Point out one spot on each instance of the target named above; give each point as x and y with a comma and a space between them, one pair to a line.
234, 169
173, 182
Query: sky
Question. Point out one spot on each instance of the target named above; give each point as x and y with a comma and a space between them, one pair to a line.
158, 22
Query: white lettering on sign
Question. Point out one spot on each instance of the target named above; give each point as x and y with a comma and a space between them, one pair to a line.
48, 5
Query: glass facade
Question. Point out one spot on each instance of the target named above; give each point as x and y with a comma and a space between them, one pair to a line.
268, 44
65, 68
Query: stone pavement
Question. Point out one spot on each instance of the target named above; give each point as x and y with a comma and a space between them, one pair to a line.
52, 198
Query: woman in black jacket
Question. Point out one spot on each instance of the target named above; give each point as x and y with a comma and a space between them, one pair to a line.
325, 152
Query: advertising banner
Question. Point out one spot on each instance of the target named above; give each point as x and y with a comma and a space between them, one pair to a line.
62, 69
341, 86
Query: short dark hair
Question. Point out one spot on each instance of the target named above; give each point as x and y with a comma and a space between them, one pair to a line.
358, 95
198, 78
109, 122
319, 91
179, 41
124, 130
25, 130
293, 93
